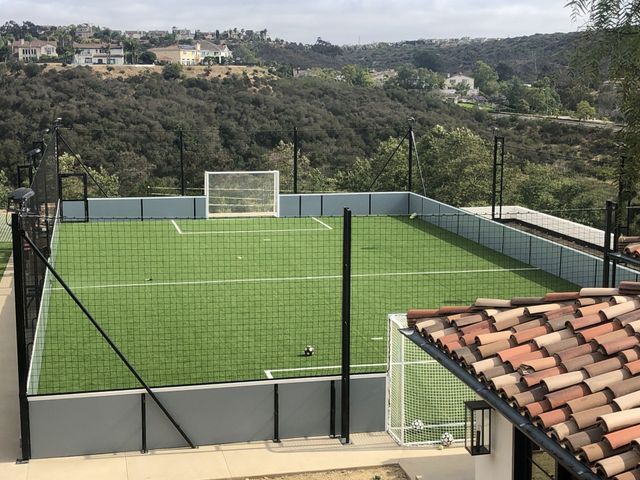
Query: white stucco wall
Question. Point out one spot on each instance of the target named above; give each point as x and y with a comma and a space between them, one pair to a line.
498, 465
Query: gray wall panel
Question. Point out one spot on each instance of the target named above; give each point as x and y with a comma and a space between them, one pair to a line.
114, 208
73, 209
289, 205
84, 426
311, 205
169, 207
201, 207
368, 403
216, 415
334, 204
390, 204
415, 203
304, 409
210, 415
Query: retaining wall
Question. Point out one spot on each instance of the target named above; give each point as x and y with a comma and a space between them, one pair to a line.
84, 424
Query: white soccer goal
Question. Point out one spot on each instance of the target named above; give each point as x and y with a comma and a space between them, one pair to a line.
426, 401
242, 194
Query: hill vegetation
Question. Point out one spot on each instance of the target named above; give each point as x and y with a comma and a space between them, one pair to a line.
128, 127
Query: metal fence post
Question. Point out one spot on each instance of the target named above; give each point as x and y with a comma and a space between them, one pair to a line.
410, 166
346, 327
23, 360
607, 244
182, 185
295, 159
276, 414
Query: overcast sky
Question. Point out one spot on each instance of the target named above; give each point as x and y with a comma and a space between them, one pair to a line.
338, 21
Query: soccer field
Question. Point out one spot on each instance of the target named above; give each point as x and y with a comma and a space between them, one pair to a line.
204, 301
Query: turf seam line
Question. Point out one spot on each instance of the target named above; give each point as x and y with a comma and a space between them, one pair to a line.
295, 279
322, 223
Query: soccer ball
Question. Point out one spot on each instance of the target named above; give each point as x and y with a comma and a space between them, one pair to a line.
417, 424
309, 350
446, 440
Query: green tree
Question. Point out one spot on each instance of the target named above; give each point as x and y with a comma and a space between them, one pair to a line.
457, 166
310, 179
412, 78
109, 183
585, 111
357, 75
147, 58
172, 71
486, 78
614, 42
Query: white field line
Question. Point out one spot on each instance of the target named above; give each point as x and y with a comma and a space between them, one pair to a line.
269, 373
322, 223
297, 279
227, 232
177, 227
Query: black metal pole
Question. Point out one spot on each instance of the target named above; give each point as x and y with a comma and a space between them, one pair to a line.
295, 159
276, 414
410, 167
607, 244
182, 185
110, 342
346, 327
501, 176
21, 341
332, 410
143, 415
494, 184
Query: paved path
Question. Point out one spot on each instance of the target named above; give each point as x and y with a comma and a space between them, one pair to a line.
239, 461
233, 461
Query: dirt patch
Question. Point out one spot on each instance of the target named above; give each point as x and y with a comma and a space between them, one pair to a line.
195, 71
372, 473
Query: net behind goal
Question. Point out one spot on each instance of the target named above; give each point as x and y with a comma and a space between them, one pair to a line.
242, 194
426, 402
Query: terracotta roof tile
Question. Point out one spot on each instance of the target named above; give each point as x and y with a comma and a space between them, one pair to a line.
570, 361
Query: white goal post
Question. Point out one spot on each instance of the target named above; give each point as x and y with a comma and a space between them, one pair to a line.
242, 194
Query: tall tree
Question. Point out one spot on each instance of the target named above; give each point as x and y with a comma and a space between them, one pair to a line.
614, 43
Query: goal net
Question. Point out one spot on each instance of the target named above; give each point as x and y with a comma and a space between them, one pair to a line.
426, 401
242, 194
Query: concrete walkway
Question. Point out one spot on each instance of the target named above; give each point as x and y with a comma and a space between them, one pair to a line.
238, 461
233, 461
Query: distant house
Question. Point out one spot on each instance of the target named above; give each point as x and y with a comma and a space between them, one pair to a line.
135, 34
210, 50
84, 30
157, 33
98, 54
453, 81
32, 51
191, 54
182, 34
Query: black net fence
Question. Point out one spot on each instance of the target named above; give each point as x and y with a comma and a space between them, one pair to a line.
197, 301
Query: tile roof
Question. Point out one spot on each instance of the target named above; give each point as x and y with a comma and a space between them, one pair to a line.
569, 361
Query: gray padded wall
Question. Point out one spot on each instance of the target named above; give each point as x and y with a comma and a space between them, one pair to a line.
289, 205
84, 426
390, 203
334, 204
210, 415
169, 207
73, 209
565, 262
135, 208
125, 208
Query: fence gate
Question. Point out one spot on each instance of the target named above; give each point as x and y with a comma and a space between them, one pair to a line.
426, 402
73, 188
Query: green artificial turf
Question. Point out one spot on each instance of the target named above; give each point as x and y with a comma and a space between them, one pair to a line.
238, 299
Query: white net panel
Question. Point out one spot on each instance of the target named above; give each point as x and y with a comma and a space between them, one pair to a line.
242, 194
426, 401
